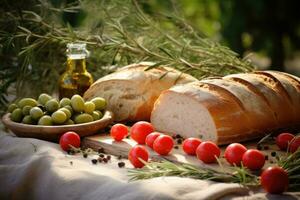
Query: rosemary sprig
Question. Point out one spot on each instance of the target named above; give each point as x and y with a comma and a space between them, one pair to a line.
291, 163
165, 168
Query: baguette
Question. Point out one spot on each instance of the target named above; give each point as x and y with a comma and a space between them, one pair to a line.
131, 91
235, 108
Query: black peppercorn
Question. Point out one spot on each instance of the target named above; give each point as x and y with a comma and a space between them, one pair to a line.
71, 162
176, 147
100, 160
266, 147
266, 157
101, 155
104, 160
119, 157
273, 153
121, 164
178, 136
94, 161
108, 157
179, 141
174, 136
85, 155
100, 150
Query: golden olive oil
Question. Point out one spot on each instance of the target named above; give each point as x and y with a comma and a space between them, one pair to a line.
76, 79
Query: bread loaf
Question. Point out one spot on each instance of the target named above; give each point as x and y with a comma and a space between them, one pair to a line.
234, 108
131, 91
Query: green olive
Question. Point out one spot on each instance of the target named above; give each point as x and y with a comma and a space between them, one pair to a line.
99, 102
26, 110
16, 115
97, 115
64, 102
69, 108
12, 107
77, 103
44, 98
46, 120
59, 117
36, 113
83, 118
89, 107
69, 122
27, 120
67, 112
52, 105
27, 102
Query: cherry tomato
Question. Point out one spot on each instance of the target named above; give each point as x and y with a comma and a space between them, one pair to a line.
151, 138
118, 132
138, 152
140, 130
69, 138
163, 144
190, 145
207, 152
283, 140
234, 153
274, 180
253, 159
295, 144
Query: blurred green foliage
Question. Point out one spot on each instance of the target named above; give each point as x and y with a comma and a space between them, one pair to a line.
268, 27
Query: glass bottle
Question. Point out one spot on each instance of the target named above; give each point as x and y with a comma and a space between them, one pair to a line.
76, 79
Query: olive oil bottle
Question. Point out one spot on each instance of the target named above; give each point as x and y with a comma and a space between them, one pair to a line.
76, 79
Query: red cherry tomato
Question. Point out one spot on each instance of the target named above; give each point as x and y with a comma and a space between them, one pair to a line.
118, 132
69, 138
151, 138
190, 145
253, 159
163, 144
295, 144
234, 153
140, 130
207, 152
137, 152
283, 140
274, 180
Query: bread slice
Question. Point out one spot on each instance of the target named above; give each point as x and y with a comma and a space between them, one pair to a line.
131, 91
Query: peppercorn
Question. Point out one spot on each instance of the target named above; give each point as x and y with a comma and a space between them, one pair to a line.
259, 147
266, 147
176, 147
104, 160
179, 141
178, 136
273, 153
71, 162
100, 160
121, 164
128, 136
119, 157
100, 150
85, 155
94, 161
266, 157
108, 157
174, 136
101, 155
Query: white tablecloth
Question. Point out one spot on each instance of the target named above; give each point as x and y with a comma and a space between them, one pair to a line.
35, 169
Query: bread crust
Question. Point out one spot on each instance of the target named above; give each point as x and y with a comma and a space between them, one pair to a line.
135, 90
263, 101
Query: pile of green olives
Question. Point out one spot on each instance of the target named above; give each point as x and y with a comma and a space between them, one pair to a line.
48, 111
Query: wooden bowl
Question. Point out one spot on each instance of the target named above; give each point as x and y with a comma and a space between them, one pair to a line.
53, 133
